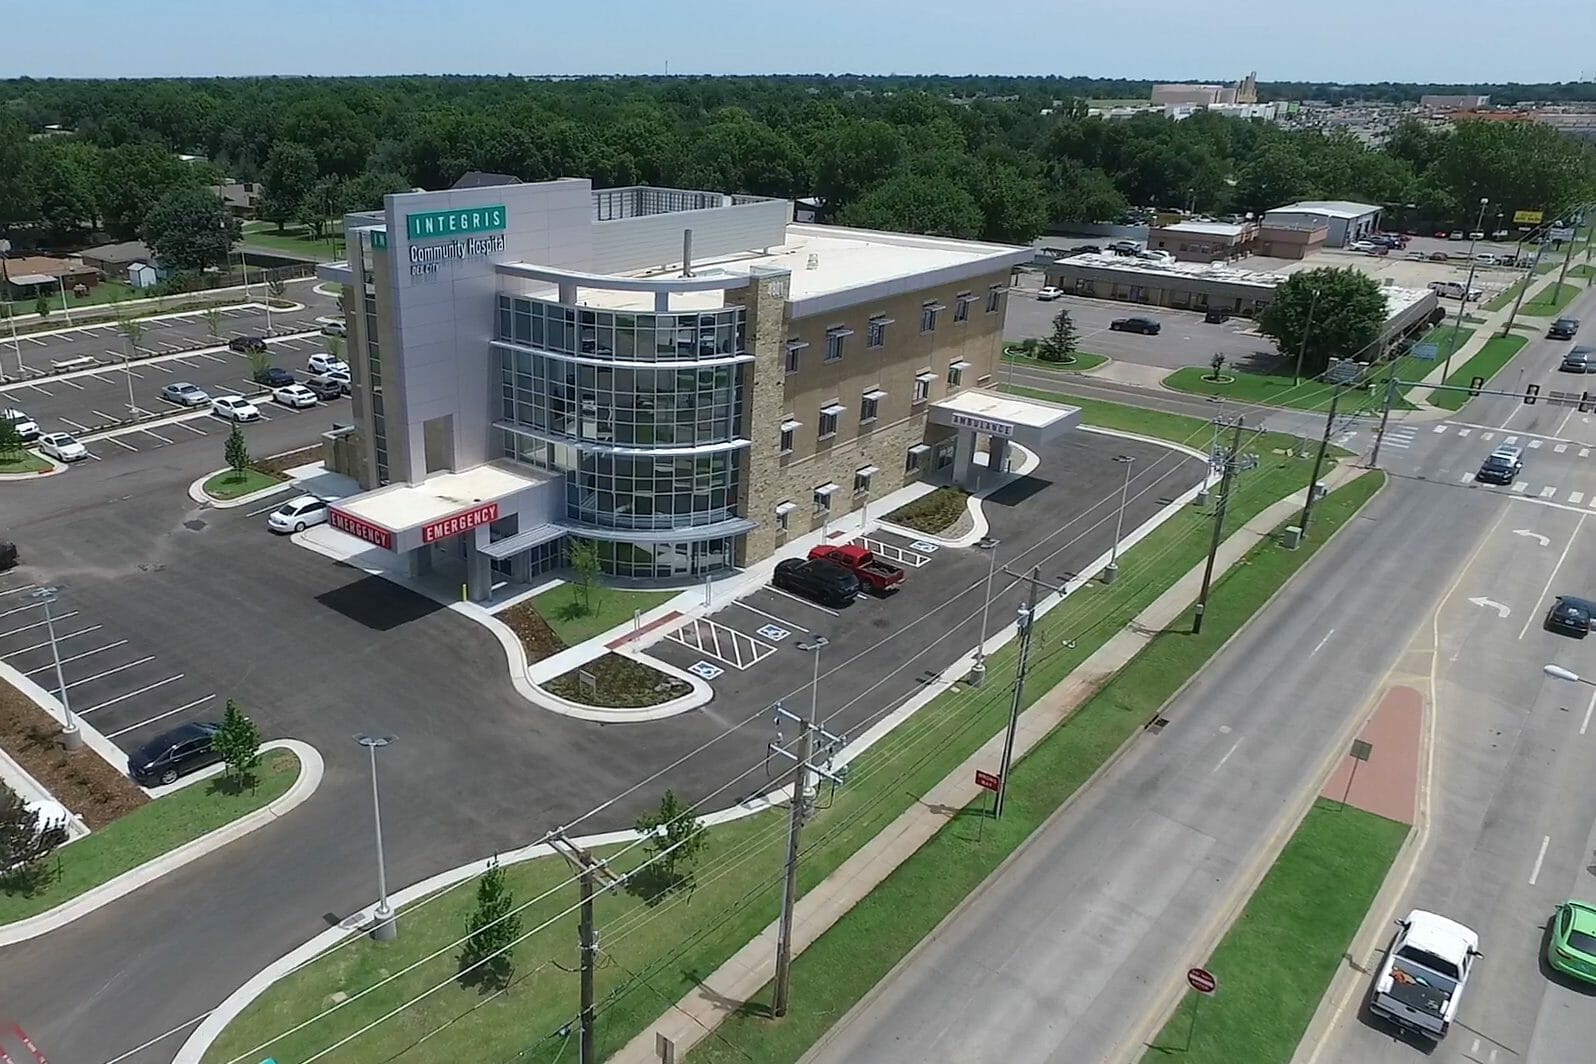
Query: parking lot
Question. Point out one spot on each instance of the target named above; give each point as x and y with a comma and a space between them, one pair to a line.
1185, 340
883, 649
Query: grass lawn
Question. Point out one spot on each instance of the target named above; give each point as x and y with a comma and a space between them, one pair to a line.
1497, 352
1279, 390
848, 960
102, 293
1084, 361
230, 485
23, 462
1277, 960
150, 831
293, 240
675, 942
563, 608
1587, 272
1504, 299
1551, 299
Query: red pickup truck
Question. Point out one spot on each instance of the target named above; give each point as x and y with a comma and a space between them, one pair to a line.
875, 574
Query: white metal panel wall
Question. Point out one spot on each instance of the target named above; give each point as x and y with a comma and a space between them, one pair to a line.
627, 244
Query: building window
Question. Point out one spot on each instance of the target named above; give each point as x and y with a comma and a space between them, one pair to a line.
914, 460
877, 336
782, 510
794, 346
928, 316
862, 478
870, 405
788, 428
823, 497
961, 307
922, 386
829, 416
835, 337
956, 373
994, 298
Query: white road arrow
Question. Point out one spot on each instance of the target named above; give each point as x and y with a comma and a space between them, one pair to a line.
1501, 610
1531, 535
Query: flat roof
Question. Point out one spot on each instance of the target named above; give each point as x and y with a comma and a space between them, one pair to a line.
1334, 208
401, 506
998, 407
1203, 228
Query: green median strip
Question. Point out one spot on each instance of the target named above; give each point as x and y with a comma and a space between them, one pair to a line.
1487, 362
1551, 299
150, 831
1276, 962
230, 485
656, 953
1082, 362
23, 462
1270, 389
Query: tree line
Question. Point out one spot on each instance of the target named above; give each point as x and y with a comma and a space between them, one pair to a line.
995, 158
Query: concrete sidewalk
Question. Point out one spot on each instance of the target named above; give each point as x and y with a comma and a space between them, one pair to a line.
742, 976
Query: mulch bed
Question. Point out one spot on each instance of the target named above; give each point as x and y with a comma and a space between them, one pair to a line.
932, 513
82, 780
537, 638
618, 683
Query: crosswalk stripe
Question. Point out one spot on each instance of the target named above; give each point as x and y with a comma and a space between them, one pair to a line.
1489, 436
1560, 448
1464, 432
1534, 444
1548, 491
1466, 478
1584, 452
1511, 440
1576, 497
1440, 429
1521, 487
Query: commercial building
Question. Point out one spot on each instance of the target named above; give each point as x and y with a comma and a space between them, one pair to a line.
32, 276
1203, 241
113, 260
1344, 221
1465, 102
685, 379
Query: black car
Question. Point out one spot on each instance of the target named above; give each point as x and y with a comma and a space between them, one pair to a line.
1085, 249
249, 345
1563, 329
275, 377
1216, 317
819, 580
174, 753
325, 388
8, 555
1579, 360
1145, 326
1570, 616
1501, 466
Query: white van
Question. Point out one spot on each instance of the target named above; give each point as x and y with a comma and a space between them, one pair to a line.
1452, 290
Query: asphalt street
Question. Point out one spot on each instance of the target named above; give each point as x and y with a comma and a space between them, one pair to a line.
319, 651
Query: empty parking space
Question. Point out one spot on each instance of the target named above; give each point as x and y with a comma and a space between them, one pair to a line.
725, 643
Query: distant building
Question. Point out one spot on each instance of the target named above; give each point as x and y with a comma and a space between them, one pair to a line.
42, 275
1203, 241
112, 260
1467, 102
241, 197
1343, 220
142, 275
1189, 95
1304, 236
53, 131
1581, 124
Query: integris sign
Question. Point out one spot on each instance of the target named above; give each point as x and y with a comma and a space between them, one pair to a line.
437, 237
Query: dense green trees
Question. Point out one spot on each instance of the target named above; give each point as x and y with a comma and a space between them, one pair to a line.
1326, 313
990, 157
190, 229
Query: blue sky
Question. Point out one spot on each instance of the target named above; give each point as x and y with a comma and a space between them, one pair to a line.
1329, 40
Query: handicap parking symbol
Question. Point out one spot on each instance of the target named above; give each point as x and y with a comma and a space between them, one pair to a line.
774, 632
923, 547
704, 670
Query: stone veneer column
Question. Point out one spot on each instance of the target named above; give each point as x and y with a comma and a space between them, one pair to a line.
759, 484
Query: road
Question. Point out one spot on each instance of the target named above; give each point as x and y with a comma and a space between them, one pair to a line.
1066, 953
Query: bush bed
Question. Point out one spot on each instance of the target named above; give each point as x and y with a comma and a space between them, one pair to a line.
934, 512
618, 683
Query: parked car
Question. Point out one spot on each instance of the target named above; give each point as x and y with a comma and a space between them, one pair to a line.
1456, 234
298, 514
234, 408
1501, 466
322, 362
1438, 256
1145, 326
334, 328
1579, 360
63, 447
877, 575
184, 394
296, 396
1124, 247
1571, 947
821, 581
1563, 329
247, 344
1570, 615
1085, 249
1048, 293
1363, 245
1487, 259
1422, 979
325, 389
339, 377
1454, 290
1476, 235
27, 429
174, 753
1417, 256
274, 377
1215, 316
8, 555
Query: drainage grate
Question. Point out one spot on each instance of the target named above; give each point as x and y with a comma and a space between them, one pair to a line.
1156, 724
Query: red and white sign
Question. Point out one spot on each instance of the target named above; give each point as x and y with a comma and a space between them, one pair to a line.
987, 781
460, 522
346, 522
1202, 980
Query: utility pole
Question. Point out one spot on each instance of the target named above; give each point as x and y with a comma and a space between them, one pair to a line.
1307, 330
1026, 623
1231, 461
1529, 276
1318, 461
1562, 272
1468, 286
588, 871
1385, 417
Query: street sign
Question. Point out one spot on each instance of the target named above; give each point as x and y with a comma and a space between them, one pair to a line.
1202, 980
1361, 749
1527, 217
1426, 352
986, 781
1566, 233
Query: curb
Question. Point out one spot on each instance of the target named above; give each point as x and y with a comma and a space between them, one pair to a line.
196, 491
310, 776
55, 469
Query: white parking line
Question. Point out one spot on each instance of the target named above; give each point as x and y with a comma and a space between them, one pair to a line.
112, 418
213, 358
40, 624
69, 384
130, 694
1535, 873
772, 616
77, 657
191, 428
112, 672
76, 424
119, 443
32, 340
157, 435
41, 391
159, 716
14, 590
721, 642
804, 601
102, 380
1585, 724
20, 609
163, 369
186, 362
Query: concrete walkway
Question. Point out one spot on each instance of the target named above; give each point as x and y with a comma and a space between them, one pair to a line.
695, 1016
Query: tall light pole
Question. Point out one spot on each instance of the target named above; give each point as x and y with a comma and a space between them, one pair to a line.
1468, 286
383, 928
1111, 572
71, 734
977, 675
1302, 348
797, 814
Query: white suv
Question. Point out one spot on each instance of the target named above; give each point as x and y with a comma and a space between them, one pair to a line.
26, 429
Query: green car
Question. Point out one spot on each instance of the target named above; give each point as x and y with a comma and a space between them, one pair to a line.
1572, 947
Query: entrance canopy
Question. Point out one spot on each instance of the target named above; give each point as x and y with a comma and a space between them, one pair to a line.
1029, 422
400, 517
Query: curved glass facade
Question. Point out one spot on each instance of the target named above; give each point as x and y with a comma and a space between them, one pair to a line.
648, 448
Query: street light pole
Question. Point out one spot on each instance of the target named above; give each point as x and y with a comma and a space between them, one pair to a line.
71, 734
1111, 573
1468, 286
383, 928
978, 670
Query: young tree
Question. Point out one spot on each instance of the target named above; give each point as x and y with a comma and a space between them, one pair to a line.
1216, 366
1060, 346
190, 228
1322, 314
238, 740
485, 960
259, 363
275, 288
41, 306
132, 331
236, 451
335, 346
10, 438
675, 839
213, 321
584, 562
24, 844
